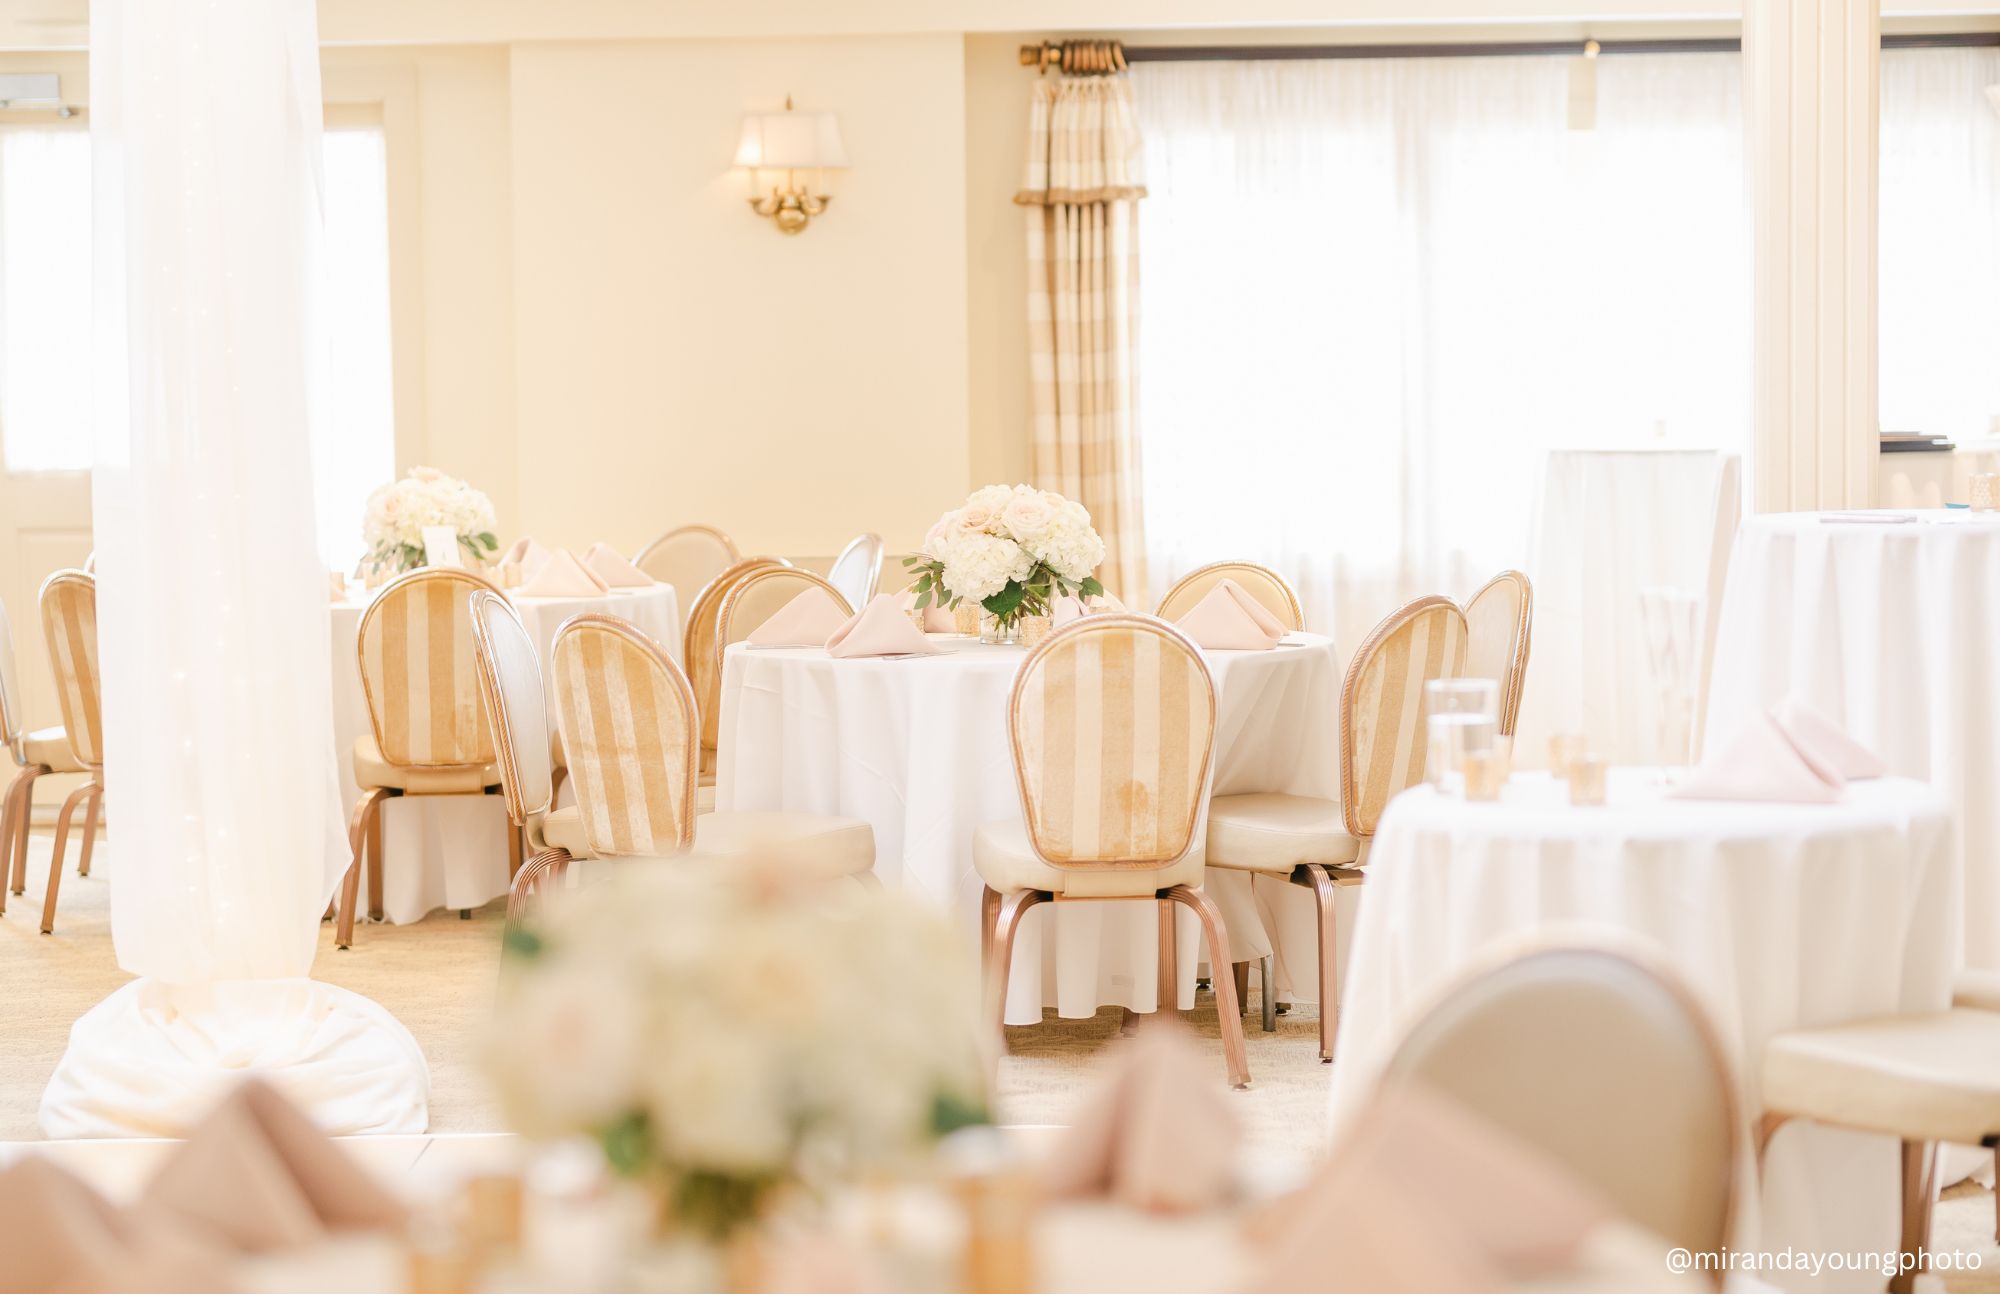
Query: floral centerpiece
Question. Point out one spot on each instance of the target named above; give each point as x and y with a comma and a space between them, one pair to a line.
1012, 549
398, 512
728, 1039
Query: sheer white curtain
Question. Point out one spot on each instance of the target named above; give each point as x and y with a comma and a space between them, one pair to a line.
212, 614
1377, 290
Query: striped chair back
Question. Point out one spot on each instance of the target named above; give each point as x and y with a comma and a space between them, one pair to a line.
10, 687
1498, 620
628, 723
417, 672
510, 683
69, 624
1113, 722
688, 557
857, 572
1382, 730
698, 640
1260, 582
759, 596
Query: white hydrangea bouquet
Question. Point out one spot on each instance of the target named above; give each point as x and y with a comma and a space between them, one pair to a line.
728, 1039
1013, 549
393, 528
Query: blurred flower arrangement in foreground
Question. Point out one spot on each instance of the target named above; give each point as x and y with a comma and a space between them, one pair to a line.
727, 1036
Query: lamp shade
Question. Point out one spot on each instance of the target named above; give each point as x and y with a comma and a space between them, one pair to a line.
790, 141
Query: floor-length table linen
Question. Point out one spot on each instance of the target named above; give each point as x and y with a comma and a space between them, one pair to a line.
918, 748
1608, 524
1778, 916
1892, 630
450, 851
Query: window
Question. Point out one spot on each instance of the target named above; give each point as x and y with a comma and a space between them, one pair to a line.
45, 298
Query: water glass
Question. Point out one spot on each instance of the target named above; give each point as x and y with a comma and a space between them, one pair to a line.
1462, 717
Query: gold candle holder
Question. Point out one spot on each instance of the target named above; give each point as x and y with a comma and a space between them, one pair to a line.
1984, 489
1485, 773
1036, 628
493, 1208
1586, 779
965, 618
1564, 747
999, 1217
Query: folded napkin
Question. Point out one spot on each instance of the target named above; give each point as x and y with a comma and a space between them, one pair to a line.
561, 575
609, 565
1067, 608
1380, 1216
1229, 619
62, 1237
1762, 762
937, 619
1159, 1133
1826, 741
258, 1175
526, 554
808, 620
881, 629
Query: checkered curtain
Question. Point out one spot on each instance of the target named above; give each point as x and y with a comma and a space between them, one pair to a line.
1080, 198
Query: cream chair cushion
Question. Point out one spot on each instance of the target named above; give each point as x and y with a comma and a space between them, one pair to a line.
49, 746
835, 846
1932, 1077
372, 771
1977, 989
1006, 862
1275, 833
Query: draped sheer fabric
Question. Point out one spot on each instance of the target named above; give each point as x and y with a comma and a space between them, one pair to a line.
213, 630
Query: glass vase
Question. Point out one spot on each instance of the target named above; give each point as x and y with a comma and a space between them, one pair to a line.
1006, 633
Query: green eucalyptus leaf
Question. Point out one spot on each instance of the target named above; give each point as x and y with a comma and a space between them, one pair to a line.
1090, 588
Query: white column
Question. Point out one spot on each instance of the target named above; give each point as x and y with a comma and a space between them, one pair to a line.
1810, 85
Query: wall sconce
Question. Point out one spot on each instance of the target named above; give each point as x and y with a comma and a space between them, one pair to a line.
791, 142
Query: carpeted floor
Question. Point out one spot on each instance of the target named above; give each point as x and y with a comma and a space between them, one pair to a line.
437, 977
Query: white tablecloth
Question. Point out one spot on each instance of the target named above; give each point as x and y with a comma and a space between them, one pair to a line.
1893, 631
917, 747
1609, 523
1779, 916
450, 851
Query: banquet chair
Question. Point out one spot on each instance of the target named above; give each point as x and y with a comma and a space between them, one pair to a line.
629, 723
761, 594
1260, 582
1498, 620
688, 557
428, 733
1112, 723
1977, 989
1923, 1079
34, 754
69, 625
1323, 844
1605, 1063
857, 572
699, 651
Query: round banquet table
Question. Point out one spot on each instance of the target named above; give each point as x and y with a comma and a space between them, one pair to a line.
917, 747
450, 851
1779, 916
1892, 630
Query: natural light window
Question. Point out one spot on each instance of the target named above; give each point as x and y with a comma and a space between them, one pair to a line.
45, 298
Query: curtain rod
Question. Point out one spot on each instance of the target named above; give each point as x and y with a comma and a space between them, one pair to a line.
1050, 54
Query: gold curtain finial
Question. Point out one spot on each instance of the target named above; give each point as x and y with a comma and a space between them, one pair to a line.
1076, 57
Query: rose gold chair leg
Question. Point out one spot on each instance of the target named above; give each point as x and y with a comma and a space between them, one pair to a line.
358, 825
527, 883
27, 812
1170, 968
1919, 1190
1326, 892
11, 819
375, 856
1001, 961
56, 858
89, 829
1767, 1127
989, 913
1227, 1010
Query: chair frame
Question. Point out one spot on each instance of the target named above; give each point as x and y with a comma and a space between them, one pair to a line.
695, 528
90, 794
364, 821
1515, 683
1239, 564
862, 540
1000, 915
733, 596
712, 594
18, 801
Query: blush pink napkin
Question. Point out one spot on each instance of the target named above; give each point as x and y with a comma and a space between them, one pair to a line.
1763, 762
258, 1175
563, 576
808, 620
609, 565
937, 619
1228, 619
1382, 1215
881, 629
1159, 1133
1826, 741
62, 1237
526, 554
1067, 609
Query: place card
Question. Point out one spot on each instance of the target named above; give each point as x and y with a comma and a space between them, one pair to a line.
441, 546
